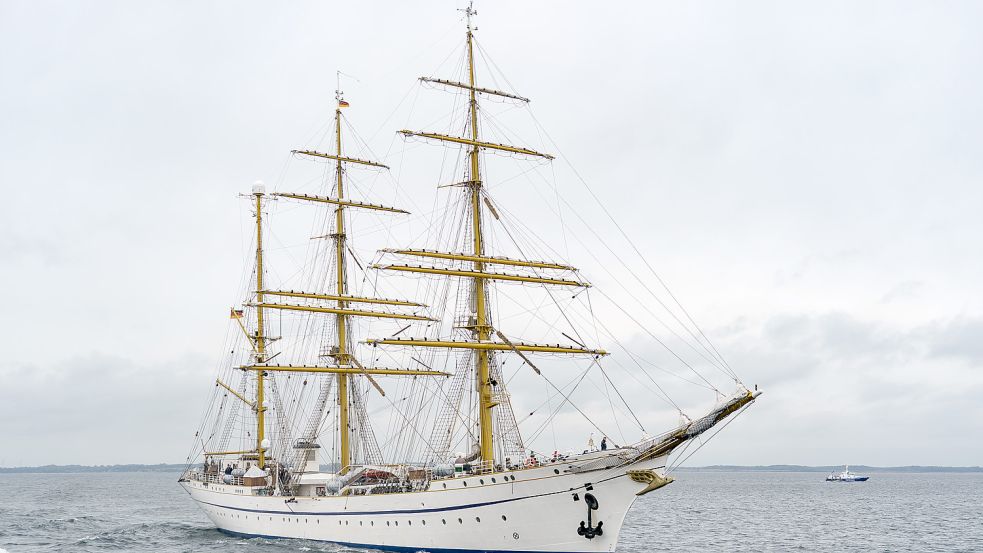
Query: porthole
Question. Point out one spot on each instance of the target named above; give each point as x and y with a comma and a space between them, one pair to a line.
445, 485
424, 522
493, 480
503, 517
477, 519
460, 521
346, 523
556, 471
482, 481
409, 522
387, 523
339, 523
465, 483
360, 523
371, 523
444, 520
397, 523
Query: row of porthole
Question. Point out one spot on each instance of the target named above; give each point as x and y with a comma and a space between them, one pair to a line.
371, 522
493, 481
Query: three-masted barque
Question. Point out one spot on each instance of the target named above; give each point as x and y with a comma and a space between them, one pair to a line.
287, 448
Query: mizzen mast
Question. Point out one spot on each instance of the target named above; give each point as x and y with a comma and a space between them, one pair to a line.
260, 341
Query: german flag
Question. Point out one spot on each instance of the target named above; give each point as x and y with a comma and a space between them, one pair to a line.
236, 313
342, 104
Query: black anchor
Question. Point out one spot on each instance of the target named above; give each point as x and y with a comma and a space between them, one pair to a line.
587, 529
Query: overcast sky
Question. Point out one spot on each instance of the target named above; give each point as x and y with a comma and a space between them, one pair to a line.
806, 175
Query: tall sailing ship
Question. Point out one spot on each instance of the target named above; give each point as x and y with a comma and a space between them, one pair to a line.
288, 446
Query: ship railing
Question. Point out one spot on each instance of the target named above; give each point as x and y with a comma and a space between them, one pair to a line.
213, 478
465, 469
533, 461
597, 459
404, 478
477, 468
384, 486
483, 467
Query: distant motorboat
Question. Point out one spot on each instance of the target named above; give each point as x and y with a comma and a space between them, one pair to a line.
846, 476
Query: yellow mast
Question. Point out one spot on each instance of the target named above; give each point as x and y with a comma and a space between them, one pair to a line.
260, 332
482, 329
342, 355
348, 365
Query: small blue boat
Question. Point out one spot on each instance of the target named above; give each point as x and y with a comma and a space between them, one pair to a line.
846, 476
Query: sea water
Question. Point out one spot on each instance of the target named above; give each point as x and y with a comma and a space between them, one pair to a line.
701, 511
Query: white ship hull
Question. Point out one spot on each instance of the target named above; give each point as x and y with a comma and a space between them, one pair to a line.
535, 509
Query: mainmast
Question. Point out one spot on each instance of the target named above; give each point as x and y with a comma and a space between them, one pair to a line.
339, 303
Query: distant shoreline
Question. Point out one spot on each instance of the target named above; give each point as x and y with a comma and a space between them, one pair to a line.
830, 468
174, 468
74, 469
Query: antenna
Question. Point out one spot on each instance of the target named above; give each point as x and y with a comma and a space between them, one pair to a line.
468, 13
339, 94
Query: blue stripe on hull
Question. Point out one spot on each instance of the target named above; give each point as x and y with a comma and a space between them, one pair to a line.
396, 548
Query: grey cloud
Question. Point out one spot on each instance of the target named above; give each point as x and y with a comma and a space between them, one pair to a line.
903, 290
961, 338
806, 176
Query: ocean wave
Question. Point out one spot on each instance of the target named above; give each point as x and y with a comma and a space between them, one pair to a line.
143, 535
